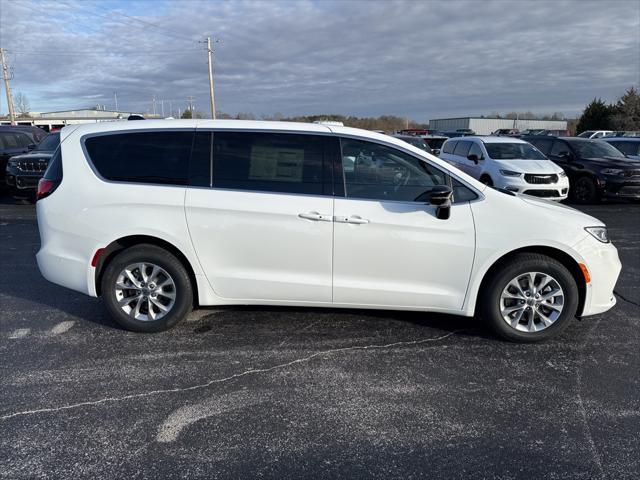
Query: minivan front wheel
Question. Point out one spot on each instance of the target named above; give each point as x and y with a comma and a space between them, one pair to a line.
147, 289
532, 298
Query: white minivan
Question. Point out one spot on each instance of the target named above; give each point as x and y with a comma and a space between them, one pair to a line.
158, 217
507, 163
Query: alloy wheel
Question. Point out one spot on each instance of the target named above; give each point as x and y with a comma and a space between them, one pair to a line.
532, 302
145, 291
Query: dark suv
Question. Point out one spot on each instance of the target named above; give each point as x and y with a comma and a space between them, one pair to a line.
12, 142
595, 169
24, 171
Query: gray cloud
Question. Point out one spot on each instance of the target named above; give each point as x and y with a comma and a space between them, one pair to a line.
421, 59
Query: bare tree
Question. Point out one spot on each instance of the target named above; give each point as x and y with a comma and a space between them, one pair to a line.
22, 104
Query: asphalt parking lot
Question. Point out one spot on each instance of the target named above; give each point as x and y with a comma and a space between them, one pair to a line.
275, 392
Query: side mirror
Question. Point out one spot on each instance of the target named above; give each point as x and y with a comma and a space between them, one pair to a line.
31, 146
436, 151
473, 157
440, 196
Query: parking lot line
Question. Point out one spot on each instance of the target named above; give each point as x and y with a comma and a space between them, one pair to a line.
62, 327
20, 333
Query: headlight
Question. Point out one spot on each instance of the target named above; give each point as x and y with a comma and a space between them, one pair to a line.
600, 233
612, 171
510, 173
562, 174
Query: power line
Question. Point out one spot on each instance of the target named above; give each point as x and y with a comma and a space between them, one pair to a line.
144, 22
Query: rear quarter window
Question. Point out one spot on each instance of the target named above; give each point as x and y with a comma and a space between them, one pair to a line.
160, 157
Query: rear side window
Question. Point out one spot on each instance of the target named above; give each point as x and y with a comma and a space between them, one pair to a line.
160, 157
462, 148
449, 147
269, 162
54, 169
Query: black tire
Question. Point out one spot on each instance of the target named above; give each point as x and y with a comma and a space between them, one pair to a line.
584, 191
486, 180
155, 255
521, 264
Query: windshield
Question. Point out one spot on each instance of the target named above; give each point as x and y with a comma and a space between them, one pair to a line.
49, 143
513, 151
595, 149
587, 134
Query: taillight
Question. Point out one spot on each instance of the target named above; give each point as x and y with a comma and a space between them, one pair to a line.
46, 188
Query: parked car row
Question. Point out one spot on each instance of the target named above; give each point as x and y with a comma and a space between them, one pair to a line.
551, 167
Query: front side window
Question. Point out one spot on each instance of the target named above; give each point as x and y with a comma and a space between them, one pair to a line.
378, 172
560, 149
462, 148
595, 149
160, 157
542, 144
449, 147
476, 150
628, 148
513, 151
269, 162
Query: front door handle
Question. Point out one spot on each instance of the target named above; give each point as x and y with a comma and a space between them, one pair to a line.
315, 216
355, 219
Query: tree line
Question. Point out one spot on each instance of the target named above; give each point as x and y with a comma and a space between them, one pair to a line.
624, 114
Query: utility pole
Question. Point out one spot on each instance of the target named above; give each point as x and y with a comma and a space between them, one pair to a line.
162, 107
7, 77
213, 102
170, 108
190, 100
115, 97
153, 100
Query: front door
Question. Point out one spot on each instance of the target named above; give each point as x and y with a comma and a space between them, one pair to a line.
389, 248
264, 231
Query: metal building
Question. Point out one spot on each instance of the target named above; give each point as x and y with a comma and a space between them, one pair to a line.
485, 126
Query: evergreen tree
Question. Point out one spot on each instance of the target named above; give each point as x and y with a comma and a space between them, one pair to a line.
597, 116
627, 111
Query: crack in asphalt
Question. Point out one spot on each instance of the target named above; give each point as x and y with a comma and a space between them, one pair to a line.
583, 412
625, 299
251, 371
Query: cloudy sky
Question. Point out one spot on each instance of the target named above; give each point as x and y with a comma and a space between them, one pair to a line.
421, 59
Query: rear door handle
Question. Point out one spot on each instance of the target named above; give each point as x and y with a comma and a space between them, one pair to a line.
315, 216
355, 219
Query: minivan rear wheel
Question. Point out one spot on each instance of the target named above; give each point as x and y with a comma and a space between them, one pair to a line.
531, 298
147, 289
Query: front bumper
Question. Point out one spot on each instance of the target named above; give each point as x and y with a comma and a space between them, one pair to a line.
23, 182
550, 191
603, 264
620, 187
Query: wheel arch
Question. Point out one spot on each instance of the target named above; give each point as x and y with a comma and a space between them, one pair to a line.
123, 243
563, 257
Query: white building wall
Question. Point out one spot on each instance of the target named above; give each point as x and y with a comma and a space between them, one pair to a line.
485, 126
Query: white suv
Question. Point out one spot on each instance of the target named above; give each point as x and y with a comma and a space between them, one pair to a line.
160, 216
507, 163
